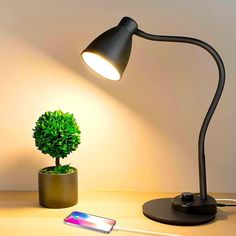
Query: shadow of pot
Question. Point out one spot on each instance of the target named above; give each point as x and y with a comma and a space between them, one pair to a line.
58, 190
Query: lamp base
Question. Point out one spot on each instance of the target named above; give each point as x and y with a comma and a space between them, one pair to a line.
161, 210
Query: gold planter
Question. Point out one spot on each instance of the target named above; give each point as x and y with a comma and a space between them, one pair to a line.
58, 190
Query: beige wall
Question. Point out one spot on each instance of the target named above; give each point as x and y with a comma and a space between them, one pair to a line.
138, 134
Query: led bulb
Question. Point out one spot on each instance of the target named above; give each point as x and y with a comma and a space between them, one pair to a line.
101, 66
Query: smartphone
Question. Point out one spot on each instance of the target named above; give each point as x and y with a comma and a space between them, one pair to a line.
89, 221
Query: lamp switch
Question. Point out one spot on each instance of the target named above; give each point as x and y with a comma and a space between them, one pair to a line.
187, 197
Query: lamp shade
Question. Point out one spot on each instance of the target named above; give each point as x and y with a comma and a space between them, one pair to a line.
109, 53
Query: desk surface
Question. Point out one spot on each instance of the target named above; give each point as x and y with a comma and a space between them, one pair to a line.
20, 214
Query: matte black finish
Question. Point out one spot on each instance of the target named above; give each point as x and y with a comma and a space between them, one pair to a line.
219, 90
160, 210
187, 197
194, 204
129, 24
115, 44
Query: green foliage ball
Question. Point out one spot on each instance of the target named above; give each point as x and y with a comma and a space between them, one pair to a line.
57, 134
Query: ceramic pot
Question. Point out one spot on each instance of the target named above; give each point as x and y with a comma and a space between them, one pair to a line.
58, 190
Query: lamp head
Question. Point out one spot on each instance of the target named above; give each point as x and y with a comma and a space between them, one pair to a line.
109, 53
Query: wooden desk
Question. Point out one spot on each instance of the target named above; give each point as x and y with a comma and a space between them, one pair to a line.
20, 214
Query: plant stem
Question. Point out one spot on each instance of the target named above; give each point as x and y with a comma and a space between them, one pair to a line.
58, 162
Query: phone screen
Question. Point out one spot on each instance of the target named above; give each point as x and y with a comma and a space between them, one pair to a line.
90, 221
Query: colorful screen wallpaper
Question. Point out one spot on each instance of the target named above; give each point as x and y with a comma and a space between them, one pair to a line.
90, 221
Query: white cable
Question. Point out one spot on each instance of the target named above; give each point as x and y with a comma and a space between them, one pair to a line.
144, 231
226, 199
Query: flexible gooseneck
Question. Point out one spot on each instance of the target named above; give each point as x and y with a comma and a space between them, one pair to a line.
206, 121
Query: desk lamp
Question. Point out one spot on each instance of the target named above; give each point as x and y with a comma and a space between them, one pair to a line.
108, 55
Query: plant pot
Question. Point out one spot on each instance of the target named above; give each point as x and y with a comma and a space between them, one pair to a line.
58, 190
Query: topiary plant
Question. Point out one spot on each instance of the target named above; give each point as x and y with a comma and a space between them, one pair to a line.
57, 134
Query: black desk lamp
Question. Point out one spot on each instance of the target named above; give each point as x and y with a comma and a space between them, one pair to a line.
108, 55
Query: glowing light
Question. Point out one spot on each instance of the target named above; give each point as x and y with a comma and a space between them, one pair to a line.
101, 66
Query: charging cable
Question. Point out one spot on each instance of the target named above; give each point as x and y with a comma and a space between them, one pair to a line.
143, 231
225, 200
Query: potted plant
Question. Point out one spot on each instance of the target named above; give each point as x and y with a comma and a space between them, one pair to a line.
57, 134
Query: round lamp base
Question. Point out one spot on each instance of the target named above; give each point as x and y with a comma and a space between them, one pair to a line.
161, 210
